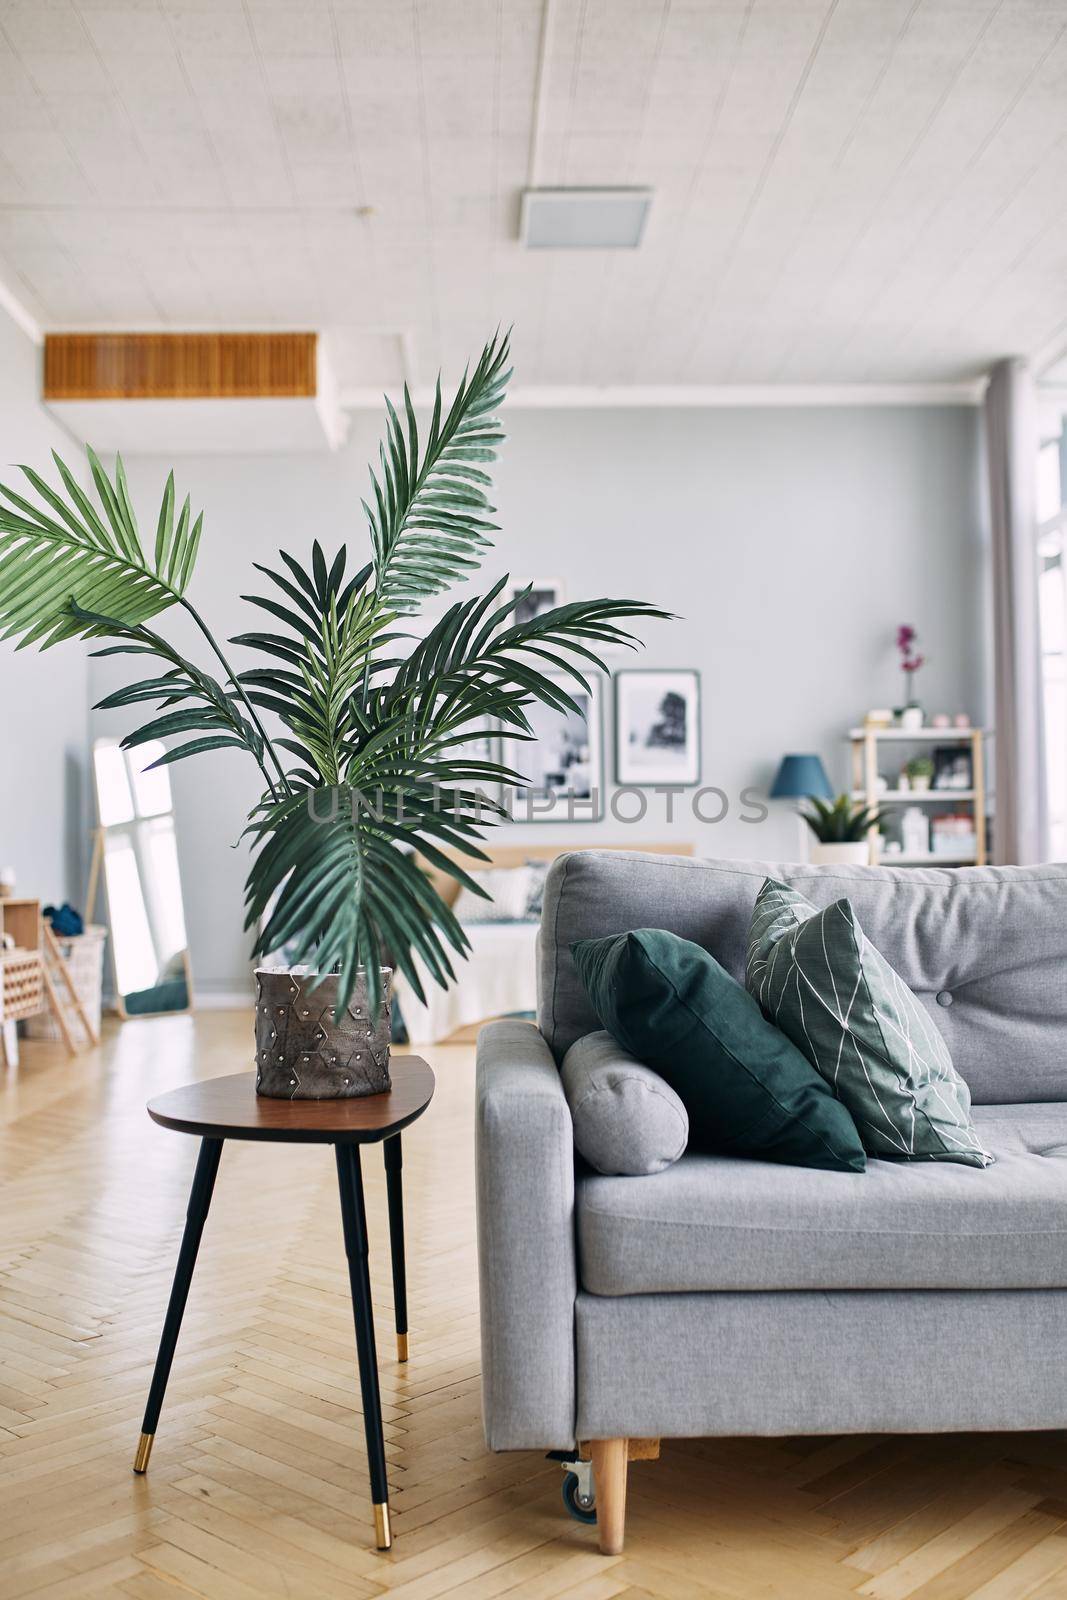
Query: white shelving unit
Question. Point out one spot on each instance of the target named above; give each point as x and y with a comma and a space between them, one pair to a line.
904, 797
865, 743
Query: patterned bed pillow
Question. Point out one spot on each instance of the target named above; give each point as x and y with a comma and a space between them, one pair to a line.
822, 982
509, 888
535, 899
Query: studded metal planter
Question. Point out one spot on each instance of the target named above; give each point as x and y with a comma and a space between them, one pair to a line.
303, 1054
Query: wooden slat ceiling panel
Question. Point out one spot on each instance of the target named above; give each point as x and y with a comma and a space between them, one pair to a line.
178, 366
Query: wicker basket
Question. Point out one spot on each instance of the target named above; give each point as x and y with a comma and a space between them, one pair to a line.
84, 955
21, 984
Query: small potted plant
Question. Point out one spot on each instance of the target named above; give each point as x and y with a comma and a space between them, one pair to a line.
920, 773
911, 660
841, 829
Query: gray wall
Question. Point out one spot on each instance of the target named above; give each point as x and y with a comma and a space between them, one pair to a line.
791, 543
44, 699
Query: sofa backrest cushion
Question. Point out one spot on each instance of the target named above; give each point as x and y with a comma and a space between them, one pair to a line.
984, 948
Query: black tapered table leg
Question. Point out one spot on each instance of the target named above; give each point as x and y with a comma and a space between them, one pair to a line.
354, 1218
207, 1165
394, 1185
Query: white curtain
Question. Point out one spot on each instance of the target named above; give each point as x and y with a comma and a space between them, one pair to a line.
1021, 823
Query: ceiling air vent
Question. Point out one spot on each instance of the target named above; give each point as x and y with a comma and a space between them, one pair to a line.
583, 219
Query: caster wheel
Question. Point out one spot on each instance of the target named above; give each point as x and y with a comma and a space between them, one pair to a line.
581, 1507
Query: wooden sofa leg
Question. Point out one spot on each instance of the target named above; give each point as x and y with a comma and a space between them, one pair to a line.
610, 1459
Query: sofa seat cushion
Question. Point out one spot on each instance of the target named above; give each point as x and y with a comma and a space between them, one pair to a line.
723, 1223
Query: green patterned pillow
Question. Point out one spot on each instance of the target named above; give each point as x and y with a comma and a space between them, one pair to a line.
778, 909
824, 984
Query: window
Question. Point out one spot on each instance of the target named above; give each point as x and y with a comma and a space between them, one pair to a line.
1052, 592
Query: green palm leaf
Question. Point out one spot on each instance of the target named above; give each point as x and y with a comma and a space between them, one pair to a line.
345, 891
68, 550
478, 650
191, 701
328, 657
430, 519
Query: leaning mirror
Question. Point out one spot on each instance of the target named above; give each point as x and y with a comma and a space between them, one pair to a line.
137, 853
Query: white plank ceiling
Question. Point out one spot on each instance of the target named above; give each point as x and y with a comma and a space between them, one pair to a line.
846, 191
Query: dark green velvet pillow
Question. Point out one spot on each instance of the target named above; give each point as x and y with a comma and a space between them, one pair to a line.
747, 1089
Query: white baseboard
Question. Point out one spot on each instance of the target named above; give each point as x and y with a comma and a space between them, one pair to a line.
223, 999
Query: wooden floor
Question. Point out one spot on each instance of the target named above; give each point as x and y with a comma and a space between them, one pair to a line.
257, 1484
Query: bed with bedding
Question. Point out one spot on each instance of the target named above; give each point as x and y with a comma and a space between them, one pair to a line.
499, 979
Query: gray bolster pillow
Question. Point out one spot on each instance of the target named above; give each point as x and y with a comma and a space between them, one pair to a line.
627, 1121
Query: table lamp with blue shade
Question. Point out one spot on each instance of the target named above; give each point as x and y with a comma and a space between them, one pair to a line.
801, 778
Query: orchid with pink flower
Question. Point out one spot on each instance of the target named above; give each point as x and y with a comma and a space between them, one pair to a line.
911, 659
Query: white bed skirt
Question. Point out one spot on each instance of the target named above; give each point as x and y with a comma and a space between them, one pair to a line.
498, 977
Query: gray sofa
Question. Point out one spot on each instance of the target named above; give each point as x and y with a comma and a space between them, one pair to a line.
727, 1297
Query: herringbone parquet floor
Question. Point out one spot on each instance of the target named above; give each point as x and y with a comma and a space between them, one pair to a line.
257, 1485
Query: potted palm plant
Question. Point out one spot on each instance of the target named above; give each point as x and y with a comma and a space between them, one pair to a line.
364, 763
841, 830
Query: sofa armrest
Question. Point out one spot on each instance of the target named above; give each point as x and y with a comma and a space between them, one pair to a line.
524, 1147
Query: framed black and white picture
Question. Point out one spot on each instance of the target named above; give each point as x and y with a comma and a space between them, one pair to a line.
657, 726
544, 595
564, 762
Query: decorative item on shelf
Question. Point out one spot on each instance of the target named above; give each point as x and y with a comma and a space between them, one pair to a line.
919, 771
915, 831
953, 767
657, 726
365, 780
911, 713
940, 719
961, 720
953, 834
8, 882
801, 777
842, 831
903, 782
878, 719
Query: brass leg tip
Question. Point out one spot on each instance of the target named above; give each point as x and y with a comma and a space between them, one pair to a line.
383, 1533
144, 1450
401, 1347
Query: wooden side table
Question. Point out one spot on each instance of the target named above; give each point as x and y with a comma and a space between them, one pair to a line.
229, 1108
